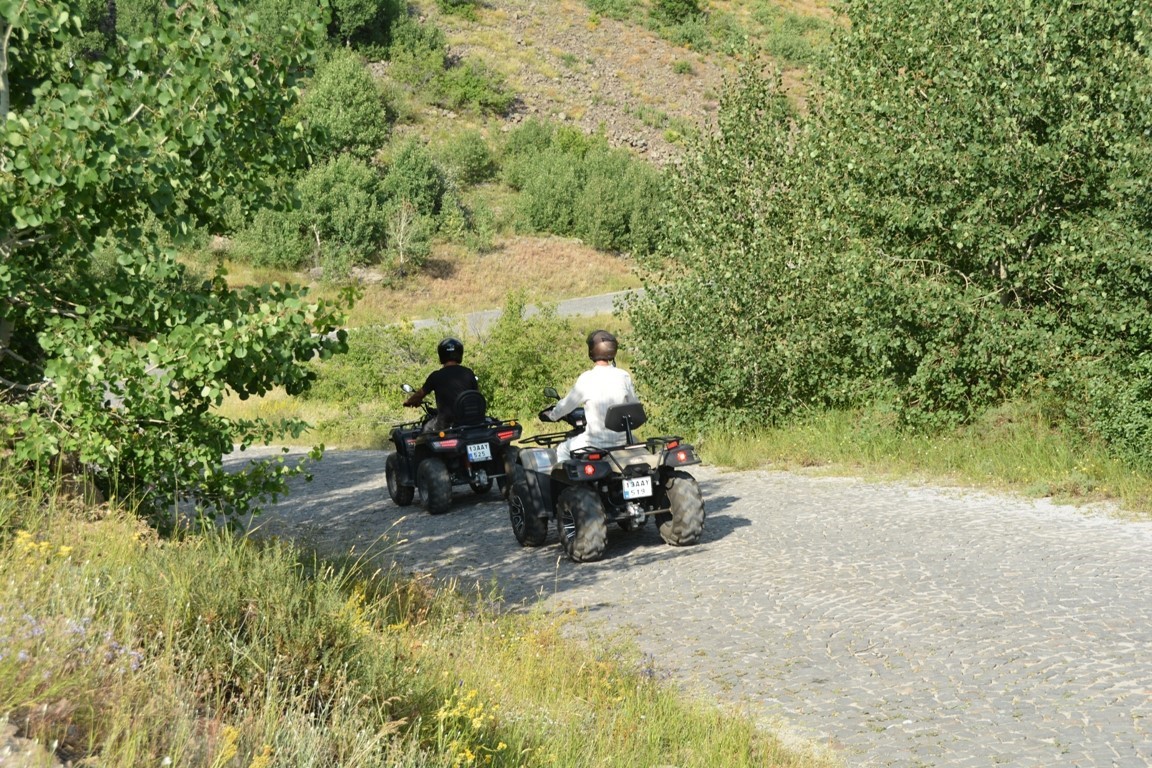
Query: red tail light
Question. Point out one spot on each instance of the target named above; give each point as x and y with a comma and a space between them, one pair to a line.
594, 457
506, 435
589, 469
682, 456
672, 444
448, 443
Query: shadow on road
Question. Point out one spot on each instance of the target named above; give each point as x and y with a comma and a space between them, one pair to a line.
345, 510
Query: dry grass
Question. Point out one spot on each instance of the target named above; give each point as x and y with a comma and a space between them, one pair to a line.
457, 281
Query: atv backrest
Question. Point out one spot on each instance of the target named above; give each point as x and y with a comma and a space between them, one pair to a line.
471, 407
625, 418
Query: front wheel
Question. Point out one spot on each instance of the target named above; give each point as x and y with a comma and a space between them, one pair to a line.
580, 517
400, 494
435, 486
527, 526
686, 522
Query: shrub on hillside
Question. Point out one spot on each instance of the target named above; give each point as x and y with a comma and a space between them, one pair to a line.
365, 23
674, 11
273, 239
344, 108
473, 85
618, 207
467, 158
464, 8
414, 177
614, 9
576, 185
417, 52
343, 214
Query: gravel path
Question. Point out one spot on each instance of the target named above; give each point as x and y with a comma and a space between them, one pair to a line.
898, 625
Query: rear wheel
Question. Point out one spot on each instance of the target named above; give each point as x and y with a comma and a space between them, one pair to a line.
527, 526
400, 494
435, 486
580, 517
685, 523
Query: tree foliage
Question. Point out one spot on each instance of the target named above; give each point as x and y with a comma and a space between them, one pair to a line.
963, 216
344, 108
111, 354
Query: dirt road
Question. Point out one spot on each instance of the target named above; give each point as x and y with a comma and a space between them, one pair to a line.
897, 625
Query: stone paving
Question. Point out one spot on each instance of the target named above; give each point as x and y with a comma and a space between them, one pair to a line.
895, 625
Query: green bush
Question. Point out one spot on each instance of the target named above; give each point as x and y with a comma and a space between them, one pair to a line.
949, 226
273, 239
464, 8
548, 196
365, 23
344, 108
473, 85
414, 176
618, 207
572, 184
380, 358
522, 355
674, 11
468, 158
417, 52
343, 215
614, 9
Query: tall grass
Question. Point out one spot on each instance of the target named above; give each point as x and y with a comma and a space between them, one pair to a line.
124, 649
1012, 448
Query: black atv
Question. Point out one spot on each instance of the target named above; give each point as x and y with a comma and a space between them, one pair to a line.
625, 484
471, 452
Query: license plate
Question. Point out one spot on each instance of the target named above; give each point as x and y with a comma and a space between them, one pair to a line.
637, 487
479, 452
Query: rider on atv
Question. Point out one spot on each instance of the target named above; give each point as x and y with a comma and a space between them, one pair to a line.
446, 382
596, 389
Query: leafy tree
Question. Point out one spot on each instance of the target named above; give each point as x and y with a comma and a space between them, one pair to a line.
962, 215
1000, 155
112, 356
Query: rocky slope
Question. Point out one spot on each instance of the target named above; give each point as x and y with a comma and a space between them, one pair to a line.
569, 64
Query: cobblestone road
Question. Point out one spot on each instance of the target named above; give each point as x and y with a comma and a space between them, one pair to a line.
897, 625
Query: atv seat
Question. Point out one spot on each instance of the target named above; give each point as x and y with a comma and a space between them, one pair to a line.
471, 408
625, 418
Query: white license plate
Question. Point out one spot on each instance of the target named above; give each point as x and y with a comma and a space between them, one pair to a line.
479, 452
637, 487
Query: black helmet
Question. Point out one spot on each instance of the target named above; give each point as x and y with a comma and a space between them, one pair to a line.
601, 346
450, 349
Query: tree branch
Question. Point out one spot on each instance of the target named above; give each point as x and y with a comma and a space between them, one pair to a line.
5, 101
22, 387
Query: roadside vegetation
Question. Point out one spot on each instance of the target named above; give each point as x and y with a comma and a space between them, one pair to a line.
126, 648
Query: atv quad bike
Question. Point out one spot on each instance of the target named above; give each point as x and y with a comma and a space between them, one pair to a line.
470, 452
624, 484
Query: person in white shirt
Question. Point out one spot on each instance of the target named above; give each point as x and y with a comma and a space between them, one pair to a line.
597, 388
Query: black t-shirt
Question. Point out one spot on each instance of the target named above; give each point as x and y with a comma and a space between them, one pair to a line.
447, 383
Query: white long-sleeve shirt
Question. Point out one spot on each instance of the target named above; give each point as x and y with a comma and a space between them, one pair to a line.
596, 389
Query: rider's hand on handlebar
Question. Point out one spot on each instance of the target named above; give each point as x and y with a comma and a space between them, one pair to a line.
545, 415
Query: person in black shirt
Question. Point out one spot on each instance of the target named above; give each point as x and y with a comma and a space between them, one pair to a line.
446, 382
